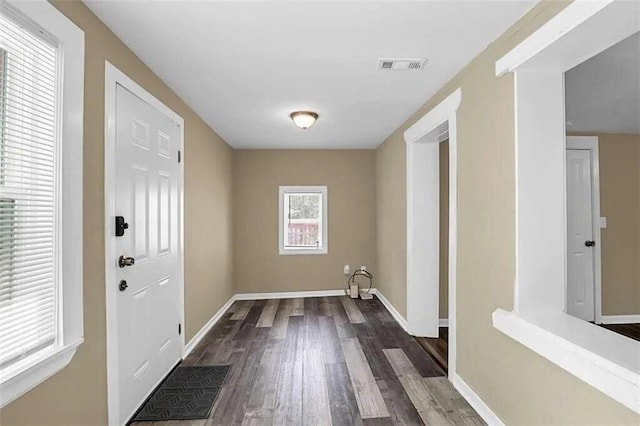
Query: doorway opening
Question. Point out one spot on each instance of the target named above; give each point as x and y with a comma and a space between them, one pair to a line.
602, 106
438, 347
431, 230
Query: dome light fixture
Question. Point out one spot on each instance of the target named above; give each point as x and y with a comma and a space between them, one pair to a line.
304, 119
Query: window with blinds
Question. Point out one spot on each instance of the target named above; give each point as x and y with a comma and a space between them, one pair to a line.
28, 181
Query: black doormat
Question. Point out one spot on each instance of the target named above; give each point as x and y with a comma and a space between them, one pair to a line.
188, 393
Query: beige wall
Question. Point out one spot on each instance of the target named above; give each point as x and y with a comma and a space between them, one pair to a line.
257, 174
620, 204
78, 394
391, 221
520, 386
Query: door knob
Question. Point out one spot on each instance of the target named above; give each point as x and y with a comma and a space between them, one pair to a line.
590, 243
125, 261
123, 285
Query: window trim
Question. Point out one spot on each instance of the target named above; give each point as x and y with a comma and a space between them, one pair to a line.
282, 250
44, 364
605, 360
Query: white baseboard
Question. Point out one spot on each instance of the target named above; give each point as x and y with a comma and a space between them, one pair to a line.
476, 402
621, 319
394, 313
208, 326
289, 294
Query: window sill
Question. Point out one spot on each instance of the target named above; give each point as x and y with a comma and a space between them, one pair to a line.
40, 369
287, 252
607, 361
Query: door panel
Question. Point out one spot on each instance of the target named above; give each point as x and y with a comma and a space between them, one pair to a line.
147, 195
139, 219
580, 257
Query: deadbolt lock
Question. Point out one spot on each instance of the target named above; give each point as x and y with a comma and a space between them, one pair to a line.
123, 285
125, 261
121, 226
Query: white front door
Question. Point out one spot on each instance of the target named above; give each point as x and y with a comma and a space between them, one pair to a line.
580, 239
147, 196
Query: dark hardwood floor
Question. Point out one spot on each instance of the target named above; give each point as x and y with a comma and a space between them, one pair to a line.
629, 330
438, 349
324, 361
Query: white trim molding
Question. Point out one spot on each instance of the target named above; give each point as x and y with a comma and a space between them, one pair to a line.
566, 20
45, 366
476, 402
392, 310
32, 371
197, 338
620, 319
423, 236
438, 115
113, 78
289, 294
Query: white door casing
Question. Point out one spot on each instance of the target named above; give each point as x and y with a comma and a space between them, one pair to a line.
423, 211
583, 292
143, 183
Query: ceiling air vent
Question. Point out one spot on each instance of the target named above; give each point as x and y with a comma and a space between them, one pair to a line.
402, 64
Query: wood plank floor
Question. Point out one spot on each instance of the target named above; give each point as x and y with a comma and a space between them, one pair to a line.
323, 361
630, 330
438, 348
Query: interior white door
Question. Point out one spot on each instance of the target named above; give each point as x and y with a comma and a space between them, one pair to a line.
147, 196
580, 241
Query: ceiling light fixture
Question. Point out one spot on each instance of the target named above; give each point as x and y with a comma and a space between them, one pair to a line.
304, 119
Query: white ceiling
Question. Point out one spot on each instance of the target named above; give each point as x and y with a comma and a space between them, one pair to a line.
244, 66
603, 93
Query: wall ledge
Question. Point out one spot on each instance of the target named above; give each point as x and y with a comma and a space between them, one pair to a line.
607, 361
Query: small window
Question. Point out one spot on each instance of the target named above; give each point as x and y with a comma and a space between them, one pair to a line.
303, 220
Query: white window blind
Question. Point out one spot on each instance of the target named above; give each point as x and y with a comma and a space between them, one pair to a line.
28, 181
